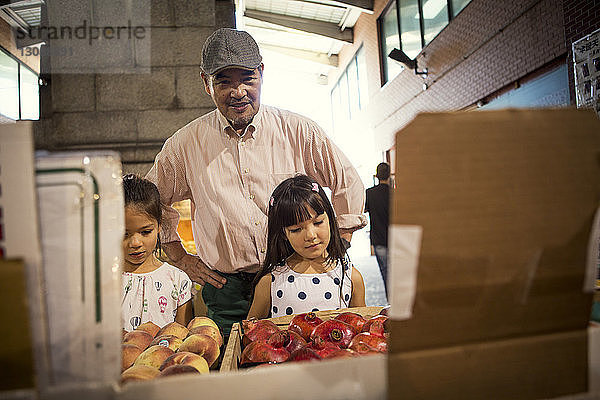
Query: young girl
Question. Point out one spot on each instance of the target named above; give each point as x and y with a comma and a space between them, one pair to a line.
152, 290
306, 267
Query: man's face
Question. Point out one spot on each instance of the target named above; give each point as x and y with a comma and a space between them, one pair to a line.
236, 93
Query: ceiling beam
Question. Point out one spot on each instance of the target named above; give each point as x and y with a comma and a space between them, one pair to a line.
303, 24
364, 5
320, 58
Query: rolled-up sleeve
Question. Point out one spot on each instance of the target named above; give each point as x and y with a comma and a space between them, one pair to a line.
326, 163
168, 174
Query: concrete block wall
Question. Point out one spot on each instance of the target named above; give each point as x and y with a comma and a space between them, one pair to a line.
488, 46
135, 113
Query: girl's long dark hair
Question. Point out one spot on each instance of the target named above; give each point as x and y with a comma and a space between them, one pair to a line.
289, 205
143, 195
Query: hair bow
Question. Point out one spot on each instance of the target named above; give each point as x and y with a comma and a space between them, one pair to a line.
315, 187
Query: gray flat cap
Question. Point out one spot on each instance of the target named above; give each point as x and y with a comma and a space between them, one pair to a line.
228, 47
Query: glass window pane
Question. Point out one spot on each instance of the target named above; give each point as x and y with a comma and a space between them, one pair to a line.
30, 98
363, 95
410, 28
435, 18
335, 105
458, 5
345, 111
390, 40
353, 88
9, 91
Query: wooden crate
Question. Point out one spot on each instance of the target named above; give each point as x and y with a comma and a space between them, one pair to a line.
233, 351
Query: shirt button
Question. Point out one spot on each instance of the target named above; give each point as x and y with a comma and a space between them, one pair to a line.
251, 197
262, 250
257, 223
242, 143
246, 170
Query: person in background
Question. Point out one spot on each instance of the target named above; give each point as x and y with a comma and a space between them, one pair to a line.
152, 290
378, 207
228, 162
306, 267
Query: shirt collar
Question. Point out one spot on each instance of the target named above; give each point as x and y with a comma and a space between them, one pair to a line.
251, 129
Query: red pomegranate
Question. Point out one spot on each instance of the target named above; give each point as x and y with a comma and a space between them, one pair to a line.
306, 353
262, 352
289, 340
257, 329
378, 343
355, 320
343, 353
332, 331
304, 324
325, 350
362, 348
376, 325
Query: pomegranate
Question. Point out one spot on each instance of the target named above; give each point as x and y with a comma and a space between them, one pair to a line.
378, 343
355, 320
289, 340
306, 353
343, 353
325, 349
362, 348
376, 325
260, 329
261, 352
304, 324
332, 331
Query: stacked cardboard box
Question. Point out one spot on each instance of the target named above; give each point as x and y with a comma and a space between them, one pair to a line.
491, 216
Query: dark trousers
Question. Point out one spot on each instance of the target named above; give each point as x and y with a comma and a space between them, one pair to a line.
231, 303
381, 254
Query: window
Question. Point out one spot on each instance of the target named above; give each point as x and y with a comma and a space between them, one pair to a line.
9, 86
19, 90
349, 94
410, 25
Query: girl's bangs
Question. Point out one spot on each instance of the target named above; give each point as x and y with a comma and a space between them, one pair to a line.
295, 211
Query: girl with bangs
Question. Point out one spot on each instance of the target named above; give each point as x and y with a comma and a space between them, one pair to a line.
306, 267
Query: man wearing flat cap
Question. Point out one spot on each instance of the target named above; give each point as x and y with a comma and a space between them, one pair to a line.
228, 162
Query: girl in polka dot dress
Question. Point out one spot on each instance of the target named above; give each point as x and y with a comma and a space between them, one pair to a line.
306, 267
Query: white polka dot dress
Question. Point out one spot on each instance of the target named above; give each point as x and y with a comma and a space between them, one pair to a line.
295, 293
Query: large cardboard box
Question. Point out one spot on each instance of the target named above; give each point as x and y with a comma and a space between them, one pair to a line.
491, 219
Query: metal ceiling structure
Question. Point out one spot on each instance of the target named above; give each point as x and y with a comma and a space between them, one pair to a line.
314, 30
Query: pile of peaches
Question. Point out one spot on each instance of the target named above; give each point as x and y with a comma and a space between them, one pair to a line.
149, 351
308, 337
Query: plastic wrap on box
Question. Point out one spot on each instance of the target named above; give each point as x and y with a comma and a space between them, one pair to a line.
81, 226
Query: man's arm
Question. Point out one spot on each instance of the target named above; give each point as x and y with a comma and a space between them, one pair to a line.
329, 166
192, 265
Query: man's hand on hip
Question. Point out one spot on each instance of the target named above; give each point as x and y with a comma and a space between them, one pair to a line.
192, 265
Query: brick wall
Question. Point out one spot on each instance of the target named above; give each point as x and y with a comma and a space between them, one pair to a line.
134, 113
582, 17
489, 45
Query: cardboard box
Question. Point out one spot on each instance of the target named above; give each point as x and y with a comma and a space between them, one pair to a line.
491, 218
233, 350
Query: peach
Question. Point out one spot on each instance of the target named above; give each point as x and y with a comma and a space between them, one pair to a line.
199, 321
208, 330
186, 358
139, 373
202, 345
170, 341
178, 369
129, 352
149, 327
175, 329
141, 339
153, 356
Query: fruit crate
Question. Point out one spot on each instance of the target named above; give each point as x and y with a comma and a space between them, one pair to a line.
233, 350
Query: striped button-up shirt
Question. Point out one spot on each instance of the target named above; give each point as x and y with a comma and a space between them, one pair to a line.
229, 179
